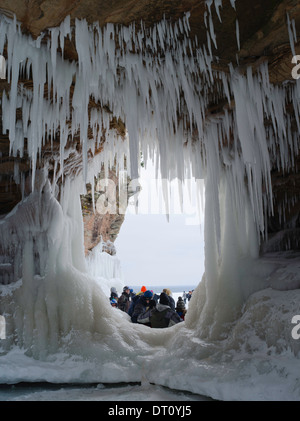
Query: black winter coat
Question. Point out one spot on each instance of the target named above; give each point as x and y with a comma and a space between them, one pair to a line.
159, 317
140, 307
124, 302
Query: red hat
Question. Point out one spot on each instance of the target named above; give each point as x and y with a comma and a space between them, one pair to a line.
143, 289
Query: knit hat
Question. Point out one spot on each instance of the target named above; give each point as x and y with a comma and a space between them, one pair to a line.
163, 299
143, 289
113, 289
148, 294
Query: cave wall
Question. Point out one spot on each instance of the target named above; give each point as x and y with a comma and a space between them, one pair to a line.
99, 226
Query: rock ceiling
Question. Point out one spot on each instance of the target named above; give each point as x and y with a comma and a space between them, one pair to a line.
262, 26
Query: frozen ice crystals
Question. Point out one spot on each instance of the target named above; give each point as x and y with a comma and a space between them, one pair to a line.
160, 83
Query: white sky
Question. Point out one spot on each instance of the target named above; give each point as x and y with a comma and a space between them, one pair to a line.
153, 251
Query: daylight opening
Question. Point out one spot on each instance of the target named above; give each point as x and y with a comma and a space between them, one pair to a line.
157, 241
159, 246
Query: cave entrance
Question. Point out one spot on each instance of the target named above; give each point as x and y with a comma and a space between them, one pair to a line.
161, 241
151, 229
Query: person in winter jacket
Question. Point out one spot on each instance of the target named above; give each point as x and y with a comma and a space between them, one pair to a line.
113, 294
180, 308
124, 300
134, 299
142, 305
160, 316
171, 299
155, 297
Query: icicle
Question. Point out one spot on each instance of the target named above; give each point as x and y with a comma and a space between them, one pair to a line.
2, 67
212, 31
3, 34
64, 30
294, 30
54, 43
237, 29
292, 34
218, 4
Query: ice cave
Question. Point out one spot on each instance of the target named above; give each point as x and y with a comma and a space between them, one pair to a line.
207, 92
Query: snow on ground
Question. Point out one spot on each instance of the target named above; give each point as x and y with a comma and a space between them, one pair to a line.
258, 360
98, 392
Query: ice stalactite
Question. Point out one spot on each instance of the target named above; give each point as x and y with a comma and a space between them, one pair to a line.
160, 84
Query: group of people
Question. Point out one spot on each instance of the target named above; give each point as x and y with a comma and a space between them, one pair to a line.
149, 308
187, 295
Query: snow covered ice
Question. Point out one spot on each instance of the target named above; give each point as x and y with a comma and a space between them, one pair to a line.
236, 342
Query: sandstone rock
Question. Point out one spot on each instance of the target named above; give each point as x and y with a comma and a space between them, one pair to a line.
101, 226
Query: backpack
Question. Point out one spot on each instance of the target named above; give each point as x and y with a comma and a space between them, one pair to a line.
122, 302
158, 318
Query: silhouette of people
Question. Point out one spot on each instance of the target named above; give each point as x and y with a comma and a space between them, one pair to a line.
113, 294
134, 299
142, 305
171, 299
161, 315
124, 300
180, 308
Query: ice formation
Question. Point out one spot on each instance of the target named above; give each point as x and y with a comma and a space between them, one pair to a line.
160, 83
